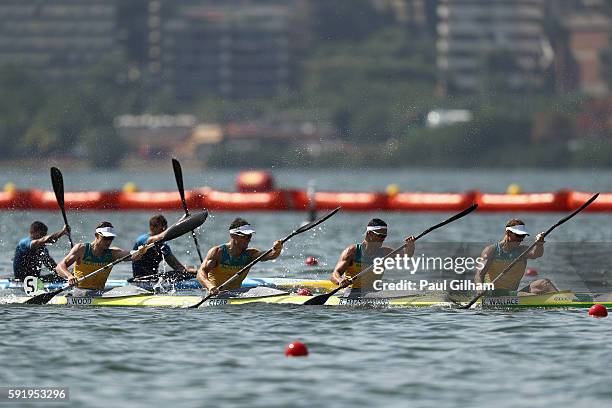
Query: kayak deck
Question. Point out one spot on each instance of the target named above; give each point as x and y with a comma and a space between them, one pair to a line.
283, 283
554, 300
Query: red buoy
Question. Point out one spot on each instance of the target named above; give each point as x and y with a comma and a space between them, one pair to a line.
531, 272
296, 349
311, 260
304, 292
598, 311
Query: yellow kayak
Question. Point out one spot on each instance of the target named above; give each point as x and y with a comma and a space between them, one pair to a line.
566, 299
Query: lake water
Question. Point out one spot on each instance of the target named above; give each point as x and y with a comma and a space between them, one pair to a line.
233, 356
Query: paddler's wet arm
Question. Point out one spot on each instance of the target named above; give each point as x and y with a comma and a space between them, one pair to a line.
62, 267
409, 245
210, 262
487, 257
277, 248
538, 250
346, 260
154, 238
49, 239
135, 254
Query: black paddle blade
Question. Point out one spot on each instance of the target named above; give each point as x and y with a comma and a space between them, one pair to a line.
178, 175
470, 303
57, 180
43, 298
321, 299
185, 225
317, 300
199, 303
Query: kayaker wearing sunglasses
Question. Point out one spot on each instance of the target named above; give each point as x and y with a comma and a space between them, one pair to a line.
357, 257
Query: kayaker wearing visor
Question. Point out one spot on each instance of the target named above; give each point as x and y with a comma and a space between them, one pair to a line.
223, 261
498, 256
357, 257
90, 256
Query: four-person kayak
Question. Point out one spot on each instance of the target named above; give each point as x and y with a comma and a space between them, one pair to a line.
564, 299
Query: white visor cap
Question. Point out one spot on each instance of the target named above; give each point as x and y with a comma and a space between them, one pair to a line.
518, 229
377, 229
106, 232
242, 230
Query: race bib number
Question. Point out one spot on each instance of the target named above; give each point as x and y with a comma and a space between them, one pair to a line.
32, 285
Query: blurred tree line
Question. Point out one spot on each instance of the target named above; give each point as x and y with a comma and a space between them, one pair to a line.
373, 79
65, 120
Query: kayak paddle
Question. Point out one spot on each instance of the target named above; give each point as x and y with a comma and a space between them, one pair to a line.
521, 256
321, 299
303, 228
178, 175
180, 228
57, 180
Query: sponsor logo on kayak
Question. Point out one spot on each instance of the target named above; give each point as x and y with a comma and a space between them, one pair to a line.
364, 302
217, 302
562, 299
501, 301
82, 301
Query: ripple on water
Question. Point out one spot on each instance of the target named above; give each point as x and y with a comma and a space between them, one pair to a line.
234, 356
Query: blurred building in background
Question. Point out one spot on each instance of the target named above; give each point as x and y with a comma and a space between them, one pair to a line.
253, 48
504, 37
162, 136
155, 135
298, 76
231, 48
416, 15
582, 39
59, 38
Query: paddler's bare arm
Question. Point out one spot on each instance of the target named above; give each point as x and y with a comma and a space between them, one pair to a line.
49, 239
538, 250
409, 248
75, 253
486, 256
210, 262
346, 259
121, 253
277, 248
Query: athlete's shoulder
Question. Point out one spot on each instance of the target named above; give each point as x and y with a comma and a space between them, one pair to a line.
216, 250
489, 250
352, 248
24, 243
142, 239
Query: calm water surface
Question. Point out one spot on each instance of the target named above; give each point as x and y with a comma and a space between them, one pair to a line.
233, 356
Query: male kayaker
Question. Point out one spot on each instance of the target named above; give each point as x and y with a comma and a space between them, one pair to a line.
148, 265
223, 261
31, 252
498, 256
90, 256
357, 257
